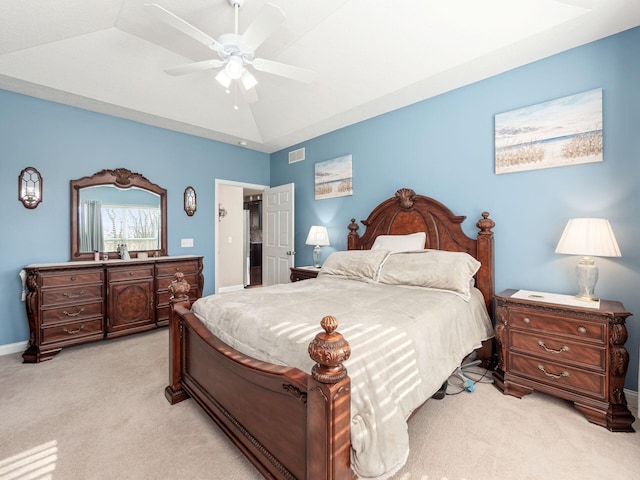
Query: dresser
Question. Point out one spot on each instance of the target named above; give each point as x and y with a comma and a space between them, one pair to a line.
71, 303
566, 350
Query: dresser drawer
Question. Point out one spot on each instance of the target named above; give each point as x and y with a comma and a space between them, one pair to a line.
71, 278
72, 312
71, 294
172, 268
164, 282
559, 349
121, 274
558, 324
558, 375
72, 331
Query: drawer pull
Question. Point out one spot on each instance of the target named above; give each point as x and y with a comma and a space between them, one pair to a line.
69, 295
563, 374
582, 330
131, 274
73, 332
73, 314
526, 320
73, 279
551, 350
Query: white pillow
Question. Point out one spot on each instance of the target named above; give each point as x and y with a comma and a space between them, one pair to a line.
362, 265
400, 243
433, 269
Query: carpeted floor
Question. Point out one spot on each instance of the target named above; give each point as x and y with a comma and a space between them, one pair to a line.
98, 412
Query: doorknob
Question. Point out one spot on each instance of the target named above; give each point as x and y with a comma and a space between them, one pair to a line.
291, 253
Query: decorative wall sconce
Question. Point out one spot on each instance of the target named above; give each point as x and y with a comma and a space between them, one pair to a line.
190, 201
30, 187
222, 212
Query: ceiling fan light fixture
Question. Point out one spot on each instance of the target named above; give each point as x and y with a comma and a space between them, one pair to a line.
223, 79
248, 80
234, 67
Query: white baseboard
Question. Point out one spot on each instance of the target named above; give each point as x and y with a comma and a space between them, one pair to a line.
632, 399
232, 288
10, 348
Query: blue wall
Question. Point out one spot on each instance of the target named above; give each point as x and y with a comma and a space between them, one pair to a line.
443, 147
66, 143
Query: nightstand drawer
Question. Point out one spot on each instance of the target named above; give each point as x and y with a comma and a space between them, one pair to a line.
558, 324
558, 349
558, 375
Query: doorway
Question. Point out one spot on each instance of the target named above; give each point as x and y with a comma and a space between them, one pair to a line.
238, 253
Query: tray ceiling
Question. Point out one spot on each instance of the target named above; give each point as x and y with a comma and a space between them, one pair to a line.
370, 57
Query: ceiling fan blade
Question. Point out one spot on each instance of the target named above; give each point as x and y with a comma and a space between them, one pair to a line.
284, 70
267, 21
194, 67
176, 22
250, 95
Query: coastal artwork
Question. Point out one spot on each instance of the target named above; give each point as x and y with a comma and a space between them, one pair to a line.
561, 132
333, 178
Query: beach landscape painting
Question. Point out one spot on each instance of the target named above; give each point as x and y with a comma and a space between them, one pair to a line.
334, 178
561, 132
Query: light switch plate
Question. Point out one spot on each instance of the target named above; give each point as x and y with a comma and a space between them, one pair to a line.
186, 242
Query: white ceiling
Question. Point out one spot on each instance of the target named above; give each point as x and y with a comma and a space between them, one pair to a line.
370, 56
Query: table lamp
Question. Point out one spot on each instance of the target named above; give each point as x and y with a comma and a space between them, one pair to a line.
588, 237
319, 237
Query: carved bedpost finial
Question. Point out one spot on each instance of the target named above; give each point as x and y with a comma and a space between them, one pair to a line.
405, 197
329, 349
179, 288
353, 227
485, 224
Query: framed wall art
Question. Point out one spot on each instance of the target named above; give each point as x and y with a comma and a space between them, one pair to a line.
333, 178
557, 133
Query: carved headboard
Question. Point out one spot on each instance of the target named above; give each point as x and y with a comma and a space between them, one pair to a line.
408, 212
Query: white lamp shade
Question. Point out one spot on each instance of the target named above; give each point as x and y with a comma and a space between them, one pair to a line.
223, 79
589, 237
318, 235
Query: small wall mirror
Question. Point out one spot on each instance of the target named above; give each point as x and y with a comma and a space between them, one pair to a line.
114, 207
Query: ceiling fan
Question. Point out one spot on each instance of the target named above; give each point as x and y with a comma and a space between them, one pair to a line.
235, 52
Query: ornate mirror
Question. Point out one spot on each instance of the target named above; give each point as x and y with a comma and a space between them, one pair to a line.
115, 207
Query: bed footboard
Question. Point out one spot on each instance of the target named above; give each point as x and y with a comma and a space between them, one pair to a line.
289, 424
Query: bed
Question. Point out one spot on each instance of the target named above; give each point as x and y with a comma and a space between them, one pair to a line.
310, 408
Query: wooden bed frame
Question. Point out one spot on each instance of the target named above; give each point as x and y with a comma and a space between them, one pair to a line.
288, 423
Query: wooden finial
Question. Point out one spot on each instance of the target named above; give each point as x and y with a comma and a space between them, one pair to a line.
329, 349
179, 288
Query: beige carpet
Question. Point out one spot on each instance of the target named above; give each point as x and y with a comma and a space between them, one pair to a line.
98, 412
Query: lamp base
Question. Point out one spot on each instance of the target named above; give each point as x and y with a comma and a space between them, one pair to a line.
587, 273
316, 256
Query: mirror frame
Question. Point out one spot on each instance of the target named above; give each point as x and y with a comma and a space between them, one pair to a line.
121, 178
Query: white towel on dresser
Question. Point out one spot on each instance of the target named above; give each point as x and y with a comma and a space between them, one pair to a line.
23, 277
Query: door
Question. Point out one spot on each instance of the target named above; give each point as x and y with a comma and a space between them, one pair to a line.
277, 234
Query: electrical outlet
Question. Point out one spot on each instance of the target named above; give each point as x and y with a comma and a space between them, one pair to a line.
186, 242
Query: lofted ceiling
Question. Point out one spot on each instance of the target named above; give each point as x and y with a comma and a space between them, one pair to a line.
370, 57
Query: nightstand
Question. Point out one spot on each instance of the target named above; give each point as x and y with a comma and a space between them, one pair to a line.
303, 273
553, 344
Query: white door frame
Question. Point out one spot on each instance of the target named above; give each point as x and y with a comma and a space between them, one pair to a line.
218, 182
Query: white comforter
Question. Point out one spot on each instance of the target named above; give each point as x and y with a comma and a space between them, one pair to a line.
405, 342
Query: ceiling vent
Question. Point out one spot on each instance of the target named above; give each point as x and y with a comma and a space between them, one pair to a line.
296, 155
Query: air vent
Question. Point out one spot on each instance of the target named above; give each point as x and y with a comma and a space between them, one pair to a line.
296, 155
